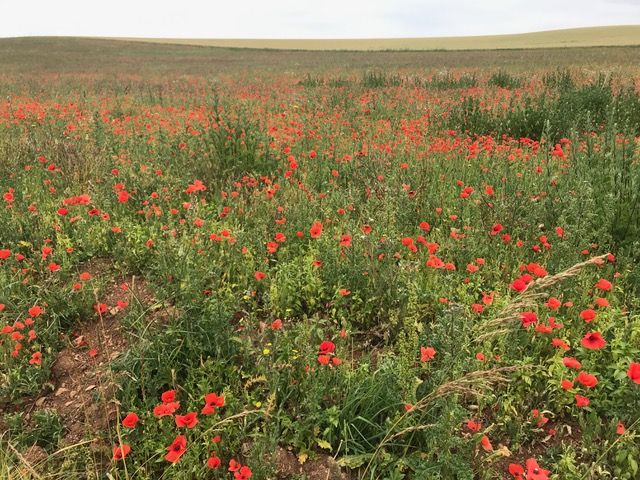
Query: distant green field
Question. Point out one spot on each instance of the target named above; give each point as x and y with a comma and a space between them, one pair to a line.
574, 37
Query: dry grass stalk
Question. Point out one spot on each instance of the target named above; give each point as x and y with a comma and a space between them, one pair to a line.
473, 383
527, 299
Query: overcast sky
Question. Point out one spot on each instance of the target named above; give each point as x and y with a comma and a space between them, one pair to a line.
306, 19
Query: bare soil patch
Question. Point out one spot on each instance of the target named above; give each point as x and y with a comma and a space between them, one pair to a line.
83, 387
322, 468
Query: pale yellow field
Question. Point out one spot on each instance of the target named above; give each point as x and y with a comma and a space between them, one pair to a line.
575, 37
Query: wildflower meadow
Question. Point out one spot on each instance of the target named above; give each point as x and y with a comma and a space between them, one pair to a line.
316, 271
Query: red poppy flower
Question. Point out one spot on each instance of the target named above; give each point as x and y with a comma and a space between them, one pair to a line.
486, 444
518, 285
604, 285
272, 247
214, 462
586, 379
553, 303
476, 307
36, 358
234, 466
528, 318
620, 428
123, 197
567, 384
316, 230
516, 470
100, 308
526, 278
212, 400
602, 302
166, 409
345, 241
542, 328
259, 275
535, 472
496, 229
553, 324
327, 347
571, 363
366, 229
582, 401
593, 341
169, 396
120, 452
189, 420
243, 474
424, 226
162, 410
634, 372
130, 420
427, 353
588, 315
324, 359
176, 449
556, 342
35, 311
473, 426
487, 299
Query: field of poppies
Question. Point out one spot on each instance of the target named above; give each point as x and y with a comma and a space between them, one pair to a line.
411, 272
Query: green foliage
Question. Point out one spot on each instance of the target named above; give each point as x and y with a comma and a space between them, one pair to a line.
336, 252
45, 429
448, 80
504, 79
380, 79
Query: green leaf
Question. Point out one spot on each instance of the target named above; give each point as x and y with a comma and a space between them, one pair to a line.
323, 444
354, 461
633, 465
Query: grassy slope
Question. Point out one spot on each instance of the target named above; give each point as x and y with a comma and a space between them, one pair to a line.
35, 56
574, 37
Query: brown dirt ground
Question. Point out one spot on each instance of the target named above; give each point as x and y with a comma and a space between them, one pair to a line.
83, 388
322, 468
